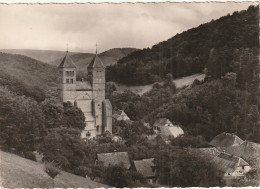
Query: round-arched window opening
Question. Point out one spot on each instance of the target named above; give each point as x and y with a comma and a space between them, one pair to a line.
88, 134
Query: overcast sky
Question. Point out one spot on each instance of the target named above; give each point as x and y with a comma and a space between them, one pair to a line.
140, 25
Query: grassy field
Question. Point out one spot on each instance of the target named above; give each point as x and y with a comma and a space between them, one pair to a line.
141, 89
18, 172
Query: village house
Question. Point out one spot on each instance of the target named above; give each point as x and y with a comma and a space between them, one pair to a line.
249, 151
225, 140
231, 144
120, 115
165, 127
114, 158
146, 168
230, 165
88, 95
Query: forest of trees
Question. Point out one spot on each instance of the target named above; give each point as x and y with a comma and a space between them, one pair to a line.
53, 129
210, 46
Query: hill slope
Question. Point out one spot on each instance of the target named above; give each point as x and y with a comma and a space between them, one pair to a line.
82, 60
24, 75
109, 57
210, 45
18, 172
41, 55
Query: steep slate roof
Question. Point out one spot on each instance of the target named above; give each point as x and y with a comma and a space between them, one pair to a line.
96, 63
67, 62
171, 131
249, 151
119, 113
144, 167
114, 158
210, 152
238, 160
226, 140
227, 163
167, 128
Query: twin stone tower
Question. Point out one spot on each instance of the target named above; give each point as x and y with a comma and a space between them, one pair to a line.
88, 95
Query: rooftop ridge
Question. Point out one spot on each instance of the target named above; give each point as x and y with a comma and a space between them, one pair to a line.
67, 62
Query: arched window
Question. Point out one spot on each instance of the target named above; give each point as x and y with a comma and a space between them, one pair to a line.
88, 134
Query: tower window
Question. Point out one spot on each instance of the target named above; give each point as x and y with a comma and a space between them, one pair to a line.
67, 80
70, 73
88, 134
71, 80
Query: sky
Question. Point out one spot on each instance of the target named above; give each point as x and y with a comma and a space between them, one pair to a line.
81, 26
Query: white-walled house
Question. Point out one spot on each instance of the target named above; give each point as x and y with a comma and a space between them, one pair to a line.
230, 165
165, 127
120, 115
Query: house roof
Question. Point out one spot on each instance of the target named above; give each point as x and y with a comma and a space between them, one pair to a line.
239, 161
114, 158
67, 62
174, 131
227, 163
210, 152
96, 62
249, 151
161, 122
225, 140
144, 167
119, 113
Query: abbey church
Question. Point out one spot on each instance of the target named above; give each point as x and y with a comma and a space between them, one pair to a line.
88, 95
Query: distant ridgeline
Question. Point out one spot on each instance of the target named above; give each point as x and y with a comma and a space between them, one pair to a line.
213, 45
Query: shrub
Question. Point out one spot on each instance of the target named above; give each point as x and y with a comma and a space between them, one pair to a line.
51, 169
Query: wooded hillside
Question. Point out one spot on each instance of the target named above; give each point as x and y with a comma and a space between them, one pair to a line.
211, 45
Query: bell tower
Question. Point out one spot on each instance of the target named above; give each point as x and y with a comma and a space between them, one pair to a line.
67, 79
96, 75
